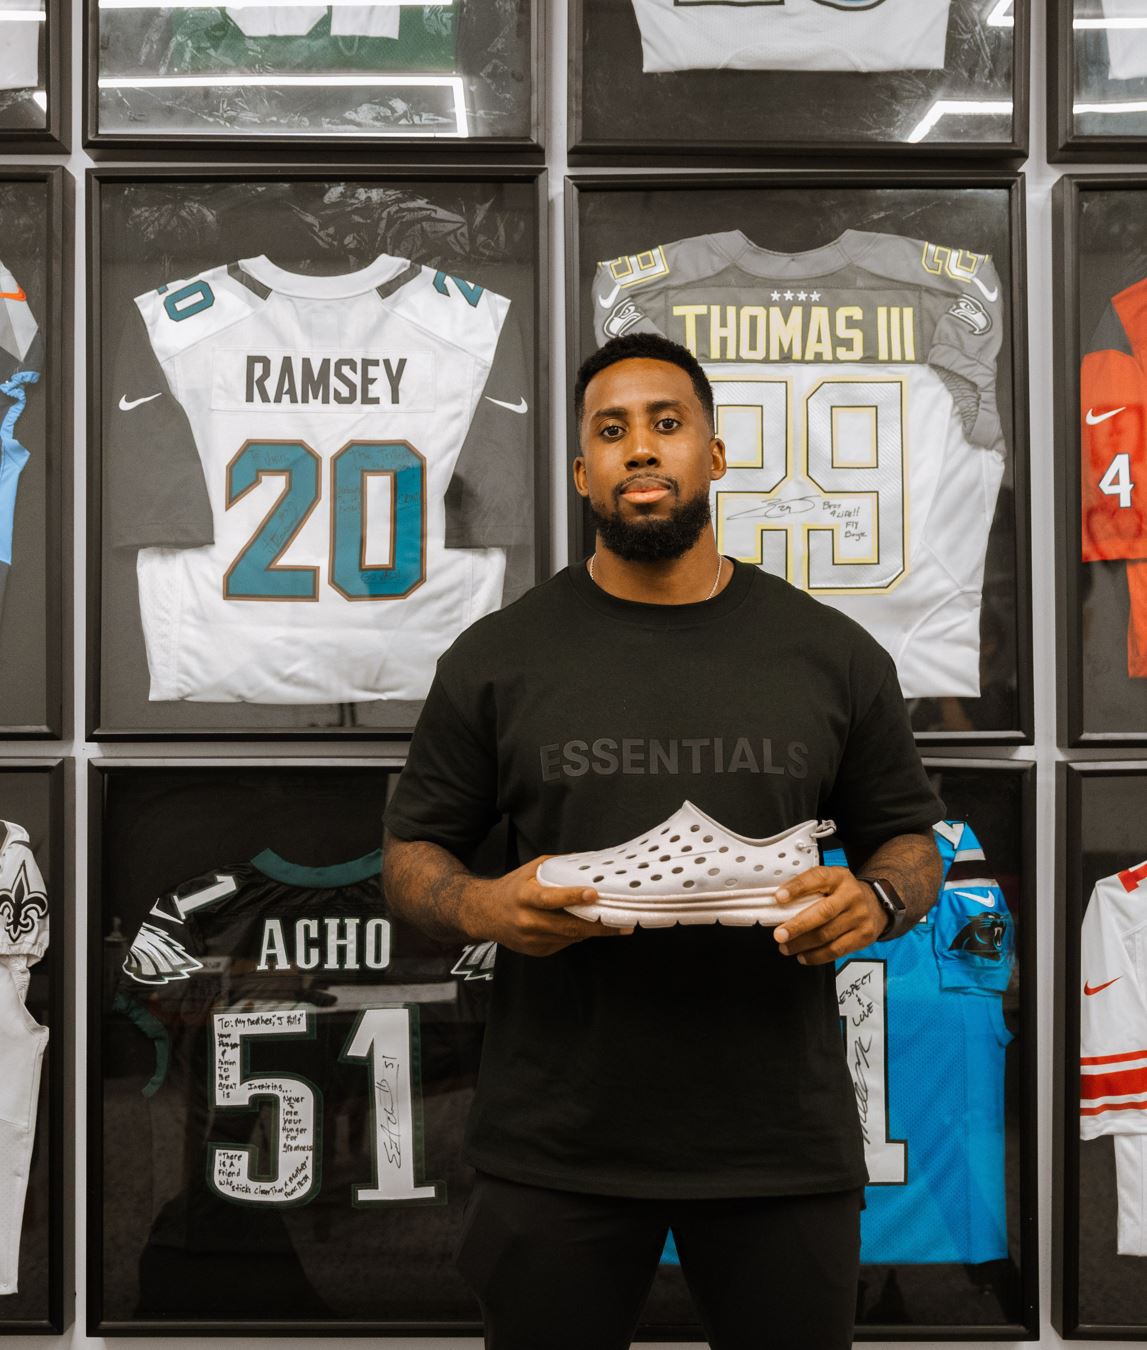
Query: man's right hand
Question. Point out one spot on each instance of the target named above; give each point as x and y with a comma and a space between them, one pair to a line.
518, 912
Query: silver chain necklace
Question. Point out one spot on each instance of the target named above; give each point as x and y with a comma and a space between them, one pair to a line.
712, 589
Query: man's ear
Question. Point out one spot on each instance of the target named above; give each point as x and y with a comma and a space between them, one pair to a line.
579, 478
717, 450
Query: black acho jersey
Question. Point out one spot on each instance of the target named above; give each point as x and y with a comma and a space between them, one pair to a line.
311, 1055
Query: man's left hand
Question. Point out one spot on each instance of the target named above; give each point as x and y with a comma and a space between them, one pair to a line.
848, 916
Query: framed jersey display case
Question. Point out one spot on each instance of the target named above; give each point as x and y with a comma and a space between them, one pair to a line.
459, 72
36, 1012
871, 393
1101, 1053
280, 1069
35, 445
1097, 80
311, 470
1101, 256
736, 77
34, 76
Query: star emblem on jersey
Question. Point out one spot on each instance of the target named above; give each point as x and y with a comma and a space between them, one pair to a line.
982, 935
157, 958
22, 907
1093, 418
127, 404
690, 870
1092, 989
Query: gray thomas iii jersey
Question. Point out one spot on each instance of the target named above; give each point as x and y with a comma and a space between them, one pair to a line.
856, 395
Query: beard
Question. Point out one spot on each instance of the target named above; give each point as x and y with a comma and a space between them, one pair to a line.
650, 539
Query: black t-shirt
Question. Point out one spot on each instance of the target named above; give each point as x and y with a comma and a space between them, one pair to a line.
685, 1061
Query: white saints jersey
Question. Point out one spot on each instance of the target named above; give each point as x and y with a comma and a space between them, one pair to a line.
792, 34
855, 393
23, 941
1126, 47
1113, 1040
327, 416
295, 20
20, 30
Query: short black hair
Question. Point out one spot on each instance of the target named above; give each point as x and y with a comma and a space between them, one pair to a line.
646, 347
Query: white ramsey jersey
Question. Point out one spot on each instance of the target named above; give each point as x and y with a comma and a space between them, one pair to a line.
855, 392
1113, 1040
294, 21
19, 44
23, 941
1126, 47
328, 415
792, 34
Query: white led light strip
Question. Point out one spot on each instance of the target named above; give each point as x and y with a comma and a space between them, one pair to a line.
944, 107
365, 81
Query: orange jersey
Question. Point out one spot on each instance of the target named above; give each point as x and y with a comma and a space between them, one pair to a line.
1113, 432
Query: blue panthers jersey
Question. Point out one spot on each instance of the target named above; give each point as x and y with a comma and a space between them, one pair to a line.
925, 1039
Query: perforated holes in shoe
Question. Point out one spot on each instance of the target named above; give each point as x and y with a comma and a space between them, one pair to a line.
686, 848
678, 870
708, 839
740, 860
723, 849
655, 876
730, 881
714, 871
674, 838
641, 866
634, 884
687, 884
596, 880
666, 857
694, 828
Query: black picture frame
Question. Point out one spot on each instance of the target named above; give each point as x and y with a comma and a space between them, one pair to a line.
39, 596
22, 133
583, 188
1066, 145
174, 145
51, 1187
1096, 703
528, 180
195, 782
1077, 869
672, 141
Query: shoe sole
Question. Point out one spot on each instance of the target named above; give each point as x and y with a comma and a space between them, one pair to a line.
667, 910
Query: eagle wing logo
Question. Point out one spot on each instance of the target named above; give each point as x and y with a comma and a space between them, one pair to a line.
22, 906
157, 958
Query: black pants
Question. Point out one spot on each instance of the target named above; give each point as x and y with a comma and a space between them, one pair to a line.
557, 1270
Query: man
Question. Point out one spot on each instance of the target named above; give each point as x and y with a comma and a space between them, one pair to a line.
691, 1076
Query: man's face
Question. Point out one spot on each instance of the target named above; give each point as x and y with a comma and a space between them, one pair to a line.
647, 459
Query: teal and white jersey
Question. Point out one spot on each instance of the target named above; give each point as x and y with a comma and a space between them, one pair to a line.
20, 352
20, 28
296, 497
856, 395
792, 34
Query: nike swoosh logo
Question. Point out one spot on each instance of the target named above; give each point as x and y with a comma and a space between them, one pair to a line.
606, 301
990, 296
520, 407
127, 404
1099, 988
986, 901
13, 295
1094, 421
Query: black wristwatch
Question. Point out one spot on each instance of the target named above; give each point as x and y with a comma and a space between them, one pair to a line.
891, 904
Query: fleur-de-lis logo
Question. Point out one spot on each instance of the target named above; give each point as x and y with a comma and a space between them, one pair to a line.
21, 907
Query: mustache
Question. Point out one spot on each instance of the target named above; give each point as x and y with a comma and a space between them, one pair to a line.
663, 479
